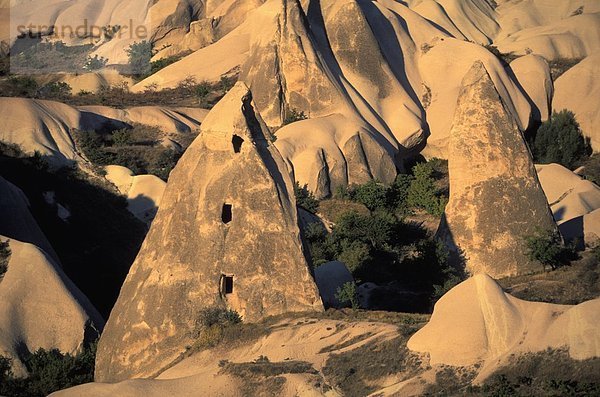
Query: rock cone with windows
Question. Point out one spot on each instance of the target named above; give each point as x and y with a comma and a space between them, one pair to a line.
226, 235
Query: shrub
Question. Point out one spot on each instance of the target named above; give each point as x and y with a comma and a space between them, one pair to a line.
210, 326
305, 198
218, 316
202, 89
346, 294
4, 257
95, 63
546, 248
140, 54
162, 63
355, 254
293, 115
121, 137
398, 194
56, 90
560, 140
226, 83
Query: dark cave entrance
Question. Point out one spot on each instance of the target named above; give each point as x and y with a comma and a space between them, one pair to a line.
237, 142
226, 284
226, 213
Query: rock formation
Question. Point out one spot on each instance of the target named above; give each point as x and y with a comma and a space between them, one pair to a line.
226, 235
574, 201
143, 192
578, 90
533, 74
476, 322
495, 196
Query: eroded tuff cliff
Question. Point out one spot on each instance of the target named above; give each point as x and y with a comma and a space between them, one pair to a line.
495, 196
226, 235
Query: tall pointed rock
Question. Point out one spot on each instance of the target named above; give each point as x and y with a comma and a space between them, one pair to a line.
495, 196
285, 70
226, 235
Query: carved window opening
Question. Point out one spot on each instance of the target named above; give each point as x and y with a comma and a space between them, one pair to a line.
226, 284
226, 213
237, 142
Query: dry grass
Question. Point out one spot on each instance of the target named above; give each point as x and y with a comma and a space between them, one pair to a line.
332, 209
548, 373
569, 285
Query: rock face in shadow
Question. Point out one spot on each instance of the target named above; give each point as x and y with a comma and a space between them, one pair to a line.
495, 196
226, 235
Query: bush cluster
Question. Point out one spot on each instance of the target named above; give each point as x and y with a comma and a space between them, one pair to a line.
347, 294
424, 189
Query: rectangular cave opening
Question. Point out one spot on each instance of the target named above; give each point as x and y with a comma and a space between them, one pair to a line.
226, 213
226, 284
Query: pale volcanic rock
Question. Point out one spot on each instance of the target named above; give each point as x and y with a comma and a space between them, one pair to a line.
578, 90
476, 322
94, 82
495, 196
533, 74
333, 151
442, 70
473, 20
228, 235
143, 192
574, 37
574, 201
40, 126
40, 307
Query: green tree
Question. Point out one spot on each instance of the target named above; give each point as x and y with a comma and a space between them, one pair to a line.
373, 195
121, 137
140, 54
560, 140
398, 193
305, 198
354, 254
423, 192
546, 248
346, 294
49, 371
